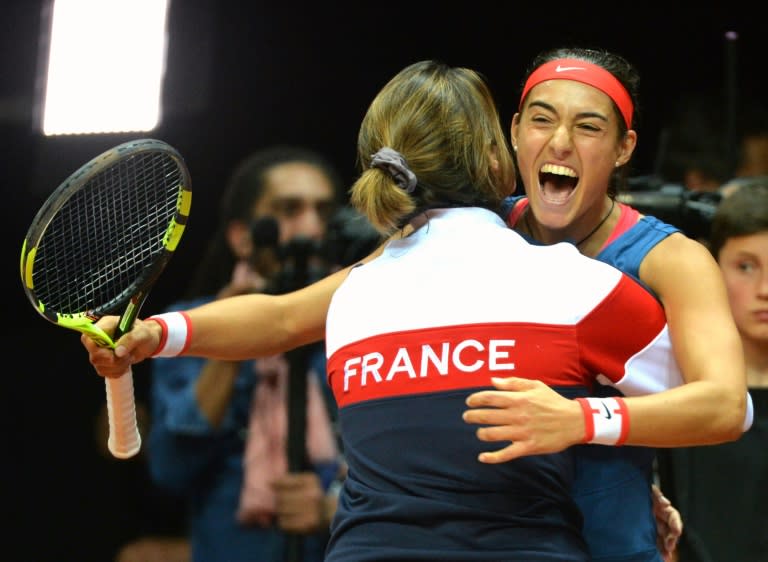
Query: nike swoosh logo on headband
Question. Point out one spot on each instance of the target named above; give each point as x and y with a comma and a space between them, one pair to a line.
565, 68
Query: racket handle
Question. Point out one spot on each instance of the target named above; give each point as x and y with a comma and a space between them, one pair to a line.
124, 438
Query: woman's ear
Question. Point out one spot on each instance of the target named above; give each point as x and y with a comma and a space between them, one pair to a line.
238, 235
626, 147
513, 130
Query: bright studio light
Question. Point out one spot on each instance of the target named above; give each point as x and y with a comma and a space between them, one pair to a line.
105, 66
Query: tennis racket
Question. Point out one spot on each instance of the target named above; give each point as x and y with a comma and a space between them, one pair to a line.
96, 247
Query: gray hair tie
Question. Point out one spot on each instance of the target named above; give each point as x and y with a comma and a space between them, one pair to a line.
393, 163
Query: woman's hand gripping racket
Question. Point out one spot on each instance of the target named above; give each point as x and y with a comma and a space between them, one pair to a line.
96, 247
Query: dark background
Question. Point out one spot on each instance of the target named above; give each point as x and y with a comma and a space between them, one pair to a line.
241, 75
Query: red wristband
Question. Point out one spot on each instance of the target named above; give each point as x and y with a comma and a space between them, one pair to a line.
176, 333
606, 420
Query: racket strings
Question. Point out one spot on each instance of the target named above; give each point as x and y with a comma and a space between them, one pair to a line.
108, 237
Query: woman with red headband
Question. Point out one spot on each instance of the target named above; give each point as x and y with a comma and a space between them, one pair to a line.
571, 138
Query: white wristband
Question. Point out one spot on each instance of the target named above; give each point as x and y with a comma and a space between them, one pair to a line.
606, 420
176, 333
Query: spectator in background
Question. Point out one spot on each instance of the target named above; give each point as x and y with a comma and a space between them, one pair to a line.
752, 155
693, 143
721, 489
699, 164
217, 436
697, 153
752, 159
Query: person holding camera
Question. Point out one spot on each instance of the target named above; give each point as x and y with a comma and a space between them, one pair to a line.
217, 436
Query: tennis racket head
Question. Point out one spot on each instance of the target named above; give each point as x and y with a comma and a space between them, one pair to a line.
101, 239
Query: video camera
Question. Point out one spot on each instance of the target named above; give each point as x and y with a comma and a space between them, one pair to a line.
349, 237
690, 211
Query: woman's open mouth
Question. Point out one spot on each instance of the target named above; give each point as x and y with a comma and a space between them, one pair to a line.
557, 183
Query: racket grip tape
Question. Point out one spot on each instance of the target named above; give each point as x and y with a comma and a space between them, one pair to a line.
124, 438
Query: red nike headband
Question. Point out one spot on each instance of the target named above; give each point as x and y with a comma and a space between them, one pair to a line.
587, 73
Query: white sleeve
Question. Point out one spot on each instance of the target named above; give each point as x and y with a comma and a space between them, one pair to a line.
655, 369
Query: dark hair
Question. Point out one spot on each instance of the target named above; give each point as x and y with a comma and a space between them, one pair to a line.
742, 213
244, 188
621, 69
